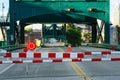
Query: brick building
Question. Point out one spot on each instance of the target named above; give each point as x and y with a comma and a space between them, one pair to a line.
36, 34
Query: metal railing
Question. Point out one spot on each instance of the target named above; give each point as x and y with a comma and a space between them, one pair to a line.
13, 47
106, 46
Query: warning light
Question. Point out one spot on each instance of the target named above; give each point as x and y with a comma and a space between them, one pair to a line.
25, 50
112, 48
70, 9
31, 45
92, 9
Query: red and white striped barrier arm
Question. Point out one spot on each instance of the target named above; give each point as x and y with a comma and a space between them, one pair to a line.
56, 54
44, 55
102, 52
59, 60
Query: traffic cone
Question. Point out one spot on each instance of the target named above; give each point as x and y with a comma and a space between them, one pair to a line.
69, 49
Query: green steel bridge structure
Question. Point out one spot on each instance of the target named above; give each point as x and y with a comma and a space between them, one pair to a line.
57, 11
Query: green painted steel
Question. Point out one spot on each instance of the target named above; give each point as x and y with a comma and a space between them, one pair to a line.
94, 33
24, 10
13, 47
105, 46
21, 35
3, 43
12, 22
53, 31
4, 24
59, 11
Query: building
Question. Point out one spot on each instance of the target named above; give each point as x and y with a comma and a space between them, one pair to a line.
36, 34
1, 36
113, 35
116, 15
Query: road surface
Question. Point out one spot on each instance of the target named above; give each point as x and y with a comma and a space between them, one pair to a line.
106, 70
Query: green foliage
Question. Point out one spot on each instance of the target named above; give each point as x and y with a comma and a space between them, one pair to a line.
28, 29
73, 35
88, 37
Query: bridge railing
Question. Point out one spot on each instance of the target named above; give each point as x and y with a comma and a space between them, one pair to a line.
13, 47
106, 46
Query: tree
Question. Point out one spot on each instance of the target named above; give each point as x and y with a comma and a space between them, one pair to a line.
28, 29
73, 35
88, 37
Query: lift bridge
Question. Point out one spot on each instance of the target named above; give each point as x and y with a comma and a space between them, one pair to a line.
57, 11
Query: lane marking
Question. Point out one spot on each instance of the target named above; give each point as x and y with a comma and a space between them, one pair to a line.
80, 71
6, 68
77, 71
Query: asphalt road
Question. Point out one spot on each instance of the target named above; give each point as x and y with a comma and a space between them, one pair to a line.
102, 70
105, 70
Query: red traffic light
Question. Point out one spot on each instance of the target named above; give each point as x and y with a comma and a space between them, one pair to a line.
31, 45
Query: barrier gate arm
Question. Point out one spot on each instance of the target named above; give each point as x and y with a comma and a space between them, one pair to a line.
42, 57
56, 54
59, 60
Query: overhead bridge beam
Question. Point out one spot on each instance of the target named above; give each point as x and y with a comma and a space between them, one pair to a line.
59, 11
4, 24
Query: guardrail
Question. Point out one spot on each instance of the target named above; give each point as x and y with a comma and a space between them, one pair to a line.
13, 47
106, 46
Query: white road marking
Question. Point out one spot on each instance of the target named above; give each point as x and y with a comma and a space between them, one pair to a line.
6, 68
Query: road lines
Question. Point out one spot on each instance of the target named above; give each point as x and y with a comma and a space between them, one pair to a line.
80, 71
6, 68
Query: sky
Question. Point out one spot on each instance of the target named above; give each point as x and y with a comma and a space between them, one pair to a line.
6, 4
112, 5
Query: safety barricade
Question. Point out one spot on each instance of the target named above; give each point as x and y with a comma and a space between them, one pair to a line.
60, 60
56, 54
41, 57
45, 55
102, 52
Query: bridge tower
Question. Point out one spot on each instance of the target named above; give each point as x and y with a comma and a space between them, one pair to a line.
60, 11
